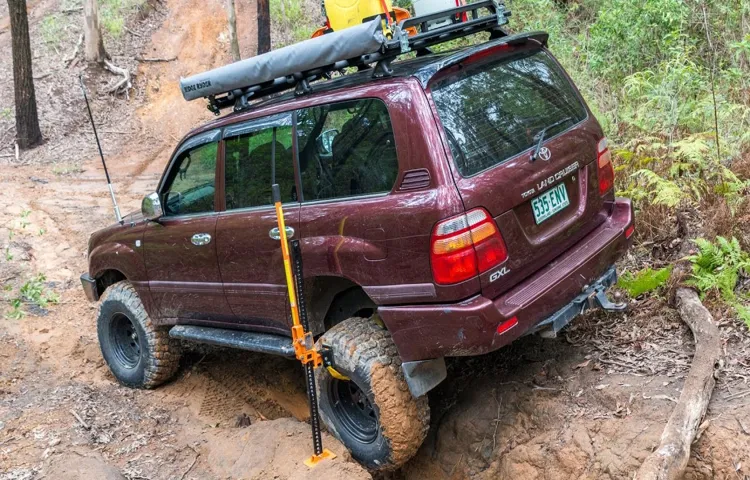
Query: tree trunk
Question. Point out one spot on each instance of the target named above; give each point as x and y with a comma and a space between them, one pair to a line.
264, 27
234, 44
94, 49
27, 120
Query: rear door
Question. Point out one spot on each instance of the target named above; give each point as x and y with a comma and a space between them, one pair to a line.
493, 110
258, 153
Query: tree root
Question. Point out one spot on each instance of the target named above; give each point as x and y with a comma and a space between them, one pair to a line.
75, 51
123, 85
669, 460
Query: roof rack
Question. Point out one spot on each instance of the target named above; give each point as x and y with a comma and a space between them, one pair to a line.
297, 66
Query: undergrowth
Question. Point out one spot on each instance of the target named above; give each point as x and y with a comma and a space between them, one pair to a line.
114, 13
32, 292
644, 281
717, 269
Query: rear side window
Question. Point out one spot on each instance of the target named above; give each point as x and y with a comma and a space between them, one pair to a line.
346, 149
251, 168
493, 111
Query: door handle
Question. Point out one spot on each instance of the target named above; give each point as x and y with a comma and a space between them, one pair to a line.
276, 234
200, 239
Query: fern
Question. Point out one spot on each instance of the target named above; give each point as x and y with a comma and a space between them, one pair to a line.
684, 171
660, 190
718, 267
644, 281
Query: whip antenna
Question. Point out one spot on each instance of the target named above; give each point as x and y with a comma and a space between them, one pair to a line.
101, 154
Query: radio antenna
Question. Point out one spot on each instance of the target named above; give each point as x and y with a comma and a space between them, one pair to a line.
101, 154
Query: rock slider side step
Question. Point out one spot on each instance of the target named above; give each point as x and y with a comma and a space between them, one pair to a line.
252, 341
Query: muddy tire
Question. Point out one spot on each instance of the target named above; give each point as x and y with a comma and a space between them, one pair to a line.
374, 415
139, 354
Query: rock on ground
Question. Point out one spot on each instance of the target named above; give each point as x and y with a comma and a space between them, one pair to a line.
75, 466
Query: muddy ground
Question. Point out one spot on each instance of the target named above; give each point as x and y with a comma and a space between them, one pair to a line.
589, 404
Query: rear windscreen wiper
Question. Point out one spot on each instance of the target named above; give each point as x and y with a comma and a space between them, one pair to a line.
540, 136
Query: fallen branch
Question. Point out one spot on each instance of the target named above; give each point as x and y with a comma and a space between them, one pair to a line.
132, 32
80, 420
192, 464
75, 51
124, 84
670, 458
146, 59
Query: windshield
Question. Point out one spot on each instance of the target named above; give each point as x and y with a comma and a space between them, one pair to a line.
494, 111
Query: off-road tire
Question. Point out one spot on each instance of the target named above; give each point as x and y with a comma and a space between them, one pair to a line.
152, 357
364, 351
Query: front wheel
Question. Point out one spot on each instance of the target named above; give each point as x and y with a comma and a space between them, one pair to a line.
138, 353
372, 412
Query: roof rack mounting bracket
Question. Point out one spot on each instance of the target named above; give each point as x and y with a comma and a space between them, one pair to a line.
403, 38
303, 87
498, 32
212, 106
383, 68
501, 12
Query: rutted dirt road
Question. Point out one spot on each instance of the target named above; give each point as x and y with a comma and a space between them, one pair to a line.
590, 404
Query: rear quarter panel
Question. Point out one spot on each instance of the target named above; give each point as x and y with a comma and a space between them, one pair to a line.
382, 242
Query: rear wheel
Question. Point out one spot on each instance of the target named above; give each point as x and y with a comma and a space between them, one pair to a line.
138, 353
371, 411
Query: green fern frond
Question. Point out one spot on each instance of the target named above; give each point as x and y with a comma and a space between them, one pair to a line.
718, 267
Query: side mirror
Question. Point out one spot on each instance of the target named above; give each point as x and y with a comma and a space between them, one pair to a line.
151, 207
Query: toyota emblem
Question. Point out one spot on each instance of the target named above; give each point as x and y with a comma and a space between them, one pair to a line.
545, 154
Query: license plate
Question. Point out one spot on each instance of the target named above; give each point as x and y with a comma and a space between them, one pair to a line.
549, 203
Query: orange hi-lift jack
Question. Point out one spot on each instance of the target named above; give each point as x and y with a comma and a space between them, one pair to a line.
302, 339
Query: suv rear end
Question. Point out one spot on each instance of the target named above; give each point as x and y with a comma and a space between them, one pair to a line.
532, 168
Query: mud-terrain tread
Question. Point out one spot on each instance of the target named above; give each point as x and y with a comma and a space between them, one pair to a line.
405, 420
163, 358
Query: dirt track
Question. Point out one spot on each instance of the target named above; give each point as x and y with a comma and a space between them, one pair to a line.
591, 404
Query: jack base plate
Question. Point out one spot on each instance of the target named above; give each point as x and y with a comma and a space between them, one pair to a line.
315, 459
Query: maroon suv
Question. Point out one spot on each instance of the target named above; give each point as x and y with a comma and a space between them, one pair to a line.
445, 210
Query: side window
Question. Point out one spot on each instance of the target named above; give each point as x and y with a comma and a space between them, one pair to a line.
250, 169
191, 187
346, 149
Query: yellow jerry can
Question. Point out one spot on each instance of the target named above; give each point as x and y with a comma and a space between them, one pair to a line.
348, 13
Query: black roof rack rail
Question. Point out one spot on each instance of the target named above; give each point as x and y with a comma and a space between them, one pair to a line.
482, 16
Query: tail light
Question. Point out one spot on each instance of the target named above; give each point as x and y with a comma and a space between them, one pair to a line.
465, 246
606, 170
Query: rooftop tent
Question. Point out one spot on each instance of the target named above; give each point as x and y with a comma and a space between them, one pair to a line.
300, 57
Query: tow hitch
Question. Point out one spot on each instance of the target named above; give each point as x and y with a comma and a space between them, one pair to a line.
593, 296
598, 298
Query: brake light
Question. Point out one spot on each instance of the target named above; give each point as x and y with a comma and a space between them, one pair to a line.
465, 246
606, 170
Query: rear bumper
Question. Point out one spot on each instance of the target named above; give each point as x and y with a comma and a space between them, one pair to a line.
424, 332
89, 287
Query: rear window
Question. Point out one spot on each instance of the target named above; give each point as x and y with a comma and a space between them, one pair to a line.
493, 111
